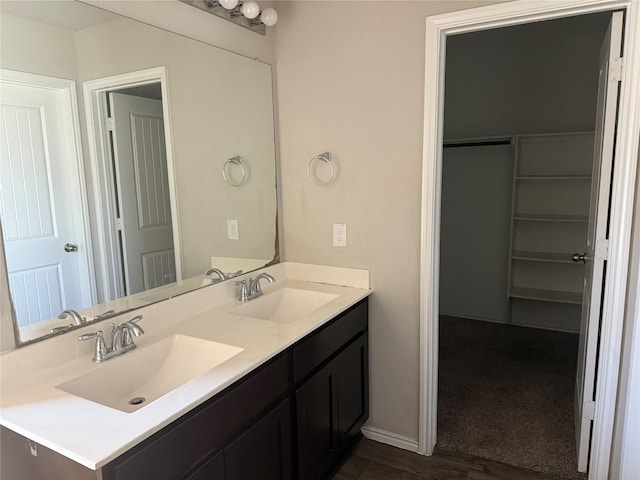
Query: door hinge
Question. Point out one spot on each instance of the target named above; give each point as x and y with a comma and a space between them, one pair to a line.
602, 249
615, 70
588, 410
110, 124
33, 448
119, 225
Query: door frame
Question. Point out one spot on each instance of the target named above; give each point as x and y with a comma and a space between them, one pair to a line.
108, 268
622, 202
74, 165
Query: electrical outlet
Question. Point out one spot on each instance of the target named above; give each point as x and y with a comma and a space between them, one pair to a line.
232, 229
339, 234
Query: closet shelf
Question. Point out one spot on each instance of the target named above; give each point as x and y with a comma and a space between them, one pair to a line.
540, 217
551, 257
552, 178
556, 296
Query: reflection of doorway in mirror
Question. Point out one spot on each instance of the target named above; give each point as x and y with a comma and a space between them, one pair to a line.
42, 204
116, 217
142, 186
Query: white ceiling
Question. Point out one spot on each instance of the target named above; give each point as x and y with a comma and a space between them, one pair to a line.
66, 14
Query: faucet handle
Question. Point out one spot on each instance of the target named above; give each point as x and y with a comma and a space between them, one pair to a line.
62, 328
101, 345
244, 290
89, 336
104, 314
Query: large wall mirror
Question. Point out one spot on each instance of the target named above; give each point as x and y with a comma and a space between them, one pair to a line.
135, 164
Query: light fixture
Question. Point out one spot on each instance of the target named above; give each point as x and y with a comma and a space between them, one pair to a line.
228, 4
244, 13
269, 17
250, 9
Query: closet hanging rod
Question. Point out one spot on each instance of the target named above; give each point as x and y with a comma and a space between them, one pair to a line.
478, 143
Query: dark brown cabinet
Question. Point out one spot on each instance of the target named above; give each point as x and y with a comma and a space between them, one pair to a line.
317, 416
213, 469
264, 451
331, 407
353, 391
294, 417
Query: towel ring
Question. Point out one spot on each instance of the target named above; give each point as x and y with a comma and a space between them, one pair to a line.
323, 157
233, 161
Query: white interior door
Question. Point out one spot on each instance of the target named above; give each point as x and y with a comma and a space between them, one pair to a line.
596, 250
39, 183
143, 192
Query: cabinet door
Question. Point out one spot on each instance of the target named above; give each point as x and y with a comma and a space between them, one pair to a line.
353, 391
264, 451
213, 469
318, 423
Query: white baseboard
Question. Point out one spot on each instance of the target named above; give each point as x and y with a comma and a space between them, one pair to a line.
390, 438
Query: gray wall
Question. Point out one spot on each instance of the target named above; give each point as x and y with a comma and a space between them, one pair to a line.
350, 79
476, 214
537, 78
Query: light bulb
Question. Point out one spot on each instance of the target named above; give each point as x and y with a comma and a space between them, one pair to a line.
250, 9
228, 4
269, 17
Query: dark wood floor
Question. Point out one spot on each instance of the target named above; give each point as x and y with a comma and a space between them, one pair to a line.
375, 461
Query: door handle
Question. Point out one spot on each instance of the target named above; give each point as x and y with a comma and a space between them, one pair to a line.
70, 247
579, 257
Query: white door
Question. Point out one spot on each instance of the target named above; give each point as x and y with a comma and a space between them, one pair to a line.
143, 192
595, 254
39, 187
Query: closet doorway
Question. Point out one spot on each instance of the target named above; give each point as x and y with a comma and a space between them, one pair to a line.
431, 245
515, 220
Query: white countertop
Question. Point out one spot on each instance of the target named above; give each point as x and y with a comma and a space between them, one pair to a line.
92, 434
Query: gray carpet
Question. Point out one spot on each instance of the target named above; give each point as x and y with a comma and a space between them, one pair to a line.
506, 394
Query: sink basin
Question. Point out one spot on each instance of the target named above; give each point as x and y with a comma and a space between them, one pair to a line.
286, 305
137, 378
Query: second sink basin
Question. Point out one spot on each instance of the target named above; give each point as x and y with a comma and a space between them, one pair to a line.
137, 378
285, 305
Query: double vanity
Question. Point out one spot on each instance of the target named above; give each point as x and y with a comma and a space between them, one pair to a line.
275, 387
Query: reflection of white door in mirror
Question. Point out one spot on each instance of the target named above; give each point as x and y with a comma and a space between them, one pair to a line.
143, 192
41, 200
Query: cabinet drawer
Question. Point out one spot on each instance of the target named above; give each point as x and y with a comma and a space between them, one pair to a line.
319, 346
178, 447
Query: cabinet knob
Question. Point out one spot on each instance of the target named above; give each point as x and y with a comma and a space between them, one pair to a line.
579, 257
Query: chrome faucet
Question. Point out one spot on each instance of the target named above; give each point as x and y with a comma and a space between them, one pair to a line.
221, 275
121, 339
79, 319
251, 290
217, 271
254, 284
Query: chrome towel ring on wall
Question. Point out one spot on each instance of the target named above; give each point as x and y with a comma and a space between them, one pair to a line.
237, 160
323, 157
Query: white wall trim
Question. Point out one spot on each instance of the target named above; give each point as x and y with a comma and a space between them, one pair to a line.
623, 187
389, 438
108, 285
